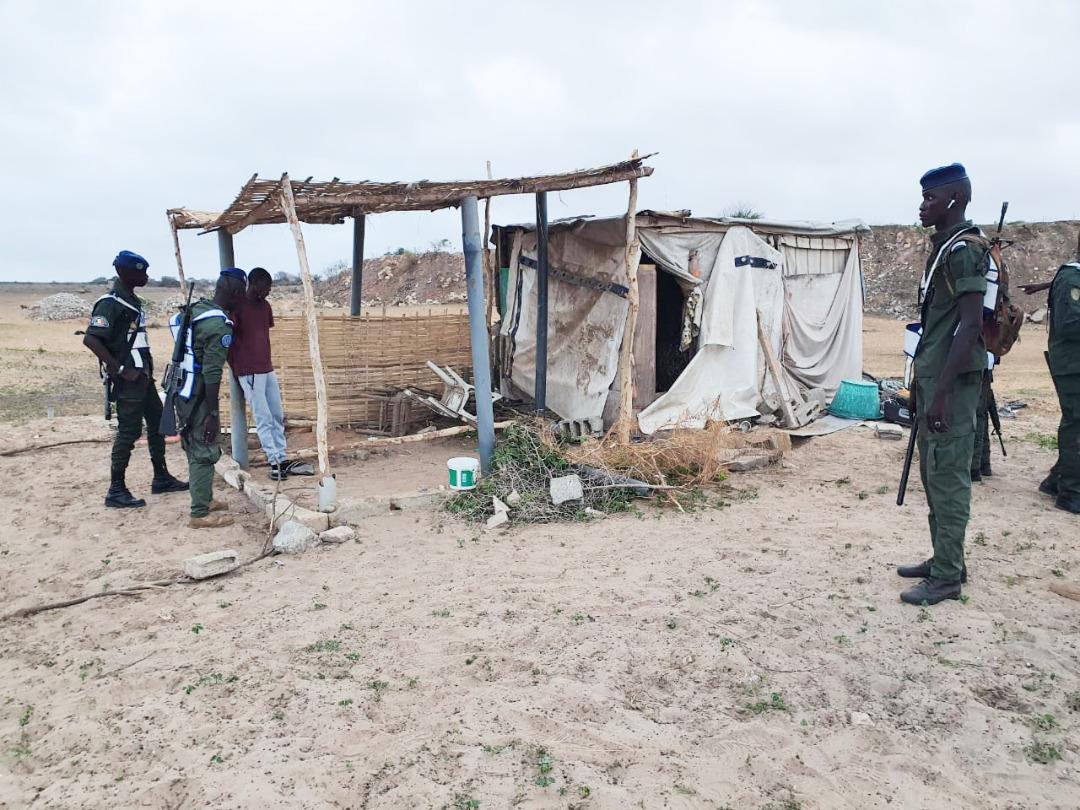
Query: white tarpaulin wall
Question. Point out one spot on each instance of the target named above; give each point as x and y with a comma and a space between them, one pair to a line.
807, 289
585, 326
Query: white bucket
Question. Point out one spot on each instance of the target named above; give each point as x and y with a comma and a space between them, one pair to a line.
463, 472
328, 493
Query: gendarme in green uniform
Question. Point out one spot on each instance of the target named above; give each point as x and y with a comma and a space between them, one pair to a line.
211, 338
945, 458
114, 318
1064, 357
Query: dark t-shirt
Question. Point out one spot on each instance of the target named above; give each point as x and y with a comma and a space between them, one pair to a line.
250, 350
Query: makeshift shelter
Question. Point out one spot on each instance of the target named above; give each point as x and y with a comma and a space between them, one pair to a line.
714, 293
264, 201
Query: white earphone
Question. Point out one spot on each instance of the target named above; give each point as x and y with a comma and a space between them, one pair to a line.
951, 204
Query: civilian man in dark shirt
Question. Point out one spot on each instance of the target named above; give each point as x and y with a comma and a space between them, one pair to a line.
249, 359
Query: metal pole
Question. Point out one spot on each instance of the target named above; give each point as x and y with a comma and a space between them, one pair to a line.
478, 333
225, 250
540, 394
237, 403
357, 263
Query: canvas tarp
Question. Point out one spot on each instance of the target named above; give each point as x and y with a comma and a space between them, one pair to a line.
724, 379
810, 303
585, 326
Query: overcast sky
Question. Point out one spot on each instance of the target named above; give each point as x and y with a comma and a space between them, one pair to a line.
113, 112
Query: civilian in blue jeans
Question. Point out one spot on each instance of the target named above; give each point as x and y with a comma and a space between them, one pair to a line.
250, 361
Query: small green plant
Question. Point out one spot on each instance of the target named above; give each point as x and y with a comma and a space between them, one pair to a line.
378, 687
1042, 752
842, 482
1011, 581
1057, 572
196, 628
1044, 722
318, 606
725, 643
345, 703
924, 613
863, 495
964, 599
216, 759
543, 768
882, 490
463, 802
224, 605
1042, 440
442, 614
775, 703
842, 640
412, 683
671, 624
469, 661
352, 657
329, 645
980, 538
26, 715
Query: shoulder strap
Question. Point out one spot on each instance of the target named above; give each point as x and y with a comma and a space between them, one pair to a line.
120, 301
952, 240
212, 313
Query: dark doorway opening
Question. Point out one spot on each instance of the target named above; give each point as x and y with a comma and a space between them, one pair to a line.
670, 362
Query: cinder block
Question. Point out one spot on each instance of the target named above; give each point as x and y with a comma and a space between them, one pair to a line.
286, 510
416, 500
211, 565
338, 534
353, 512
294, 538
566, 488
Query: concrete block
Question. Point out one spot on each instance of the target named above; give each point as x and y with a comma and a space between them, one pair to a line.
497, 520
259, 495
747, 463
338, 534
514, 498
353, 512
213, 564
288, 511
499, 505
566, 488
234, 478
225, 464
294, 538
416, 500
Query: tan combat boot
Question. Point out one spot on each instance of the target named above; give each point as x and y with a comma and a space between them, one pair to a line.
213, 521
218, 506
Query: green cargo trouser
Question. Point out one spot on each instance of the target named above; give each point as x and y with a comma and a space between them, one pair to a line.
980, 457
945, 468
1066, 473
136, 402
201, 460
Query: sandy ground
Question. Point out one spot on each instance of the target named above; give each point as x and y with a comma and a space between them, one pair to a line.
751, 653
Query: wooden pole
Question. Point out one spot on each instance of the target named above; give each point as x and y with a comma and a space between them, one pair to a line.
489, 271
288, 205
626, 351
777, 375
176, 248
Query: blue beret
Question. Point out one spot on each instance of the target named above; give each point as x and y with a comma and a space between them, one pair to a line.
234, 272
126, 260
943, 176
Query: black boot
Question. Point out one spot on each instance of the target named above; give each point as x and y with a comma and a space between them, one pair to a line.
931, 591
118, 497
1048, 486
166, 482
922, 571
985, 471
278, 472
1068, 504
976, 476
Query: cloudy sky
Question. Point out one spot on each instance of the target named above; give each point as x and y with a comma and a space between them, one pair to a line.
115, 111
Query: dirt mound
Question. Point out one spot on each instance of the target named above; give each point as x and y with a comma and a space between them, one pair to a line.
405, 279
60, 307
893, 257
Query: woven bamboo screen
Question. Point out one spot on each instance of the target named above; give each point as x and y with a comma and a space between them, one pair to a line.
363, 359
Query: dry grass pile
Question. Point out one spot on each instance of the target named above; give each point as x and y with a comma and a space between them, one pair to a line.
685, 458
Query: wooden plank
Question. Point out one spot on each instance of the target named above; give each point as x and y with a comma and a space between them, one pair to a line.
626, 351
774, 369
645, 339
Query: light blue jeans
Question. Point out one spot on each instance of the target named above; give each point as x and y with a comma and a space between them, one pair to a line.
264, 396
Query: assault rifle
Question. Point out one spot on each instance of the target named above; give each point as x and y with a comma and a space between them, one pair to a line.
995, 418
910, 453
175, 371
106, 378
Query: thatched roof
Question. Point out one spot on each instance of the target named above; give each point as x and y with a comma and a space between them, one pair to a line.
259, 201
